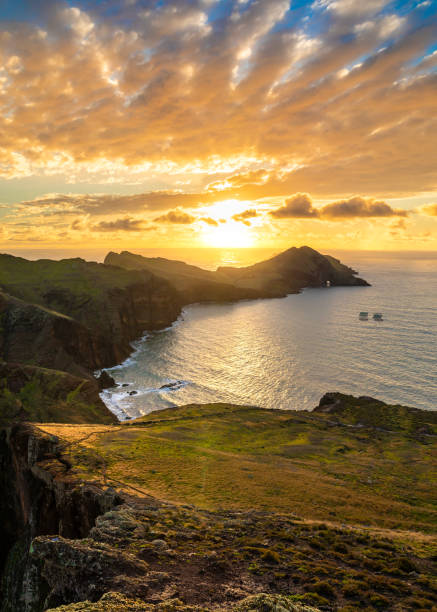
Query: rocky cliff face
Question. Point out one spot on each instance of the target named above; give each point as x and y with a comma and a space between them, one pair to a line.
37, 497
36, 335
78, 316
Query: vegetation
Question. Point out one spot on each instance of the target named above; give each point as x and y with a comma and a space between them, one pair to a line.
239, 508
42, 395
211, 559
315, 465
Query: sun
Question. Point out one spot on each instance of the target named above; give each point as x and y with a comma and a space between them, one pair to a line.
228, 235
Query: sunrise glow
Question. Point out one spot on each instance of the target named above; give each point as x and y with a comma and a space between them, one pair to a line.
129, 127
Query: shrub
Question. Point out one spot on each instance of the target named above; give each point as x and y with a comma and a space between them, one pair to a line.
324, 589
270, 556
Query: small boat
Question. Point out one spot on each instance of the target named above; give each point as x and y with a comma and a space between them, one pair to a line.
363, 316
377, 316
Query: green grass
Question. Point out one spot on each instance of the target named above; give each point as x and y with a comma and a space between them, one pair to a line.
50, 396
222, 456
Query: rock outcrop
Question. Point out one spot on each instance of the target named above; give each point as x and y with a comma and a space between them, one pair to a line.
38, 497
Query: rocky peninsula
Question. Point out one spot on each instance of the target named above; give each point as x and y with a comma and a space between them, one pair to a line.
202, 507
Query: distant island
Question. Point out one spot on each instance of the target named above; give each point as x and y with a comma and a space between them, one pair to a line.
200, 507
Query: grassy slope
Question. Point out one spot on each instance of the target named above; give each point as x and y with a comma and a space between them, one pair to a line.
38, 394
29, 280
318, 466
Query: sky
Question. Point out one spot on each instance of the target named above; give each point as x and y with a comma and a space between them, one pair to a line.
131, 124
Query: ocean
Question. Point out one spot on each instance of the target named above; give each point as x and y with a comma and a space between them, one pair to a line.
286, 353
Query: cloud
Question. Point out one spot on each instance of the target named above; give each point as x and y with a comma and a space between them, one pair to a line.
105, 204
176, 216
245, 216
354, 8
127, 224
157, 90
358, 207
429, 209
300, 206
209, 221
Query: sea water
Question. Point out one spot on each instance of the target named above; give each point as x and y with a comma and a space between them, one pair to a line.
286, 353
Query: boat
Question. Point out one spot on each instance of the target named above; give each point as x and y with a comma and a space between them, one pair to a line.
377, 316
363, 316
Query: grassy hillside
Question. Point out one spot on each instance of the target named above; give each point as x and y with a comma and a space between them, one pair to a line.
36, 394
193, 284
317, 465
334, 509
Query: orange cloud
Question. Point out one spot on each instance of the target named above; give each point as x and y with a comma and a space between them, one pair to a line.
81, 94
209, 221
429, 209
245, 216
176, 216
300, 206
127, 224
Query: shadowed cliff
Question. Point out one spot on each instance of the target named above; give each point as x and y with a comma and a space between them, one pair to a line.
78, 316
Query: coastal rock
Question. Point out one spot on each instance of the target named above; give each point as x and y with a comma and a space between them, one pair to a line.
105, 380
172, 386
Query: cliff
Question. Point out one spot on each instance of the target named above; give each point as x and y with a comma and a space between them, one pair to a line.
288, 272
35, 335
78, 316
221, 507
37, 498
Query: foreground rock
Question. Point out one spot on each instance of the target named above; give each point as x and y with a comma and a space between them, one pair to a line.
115, 602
